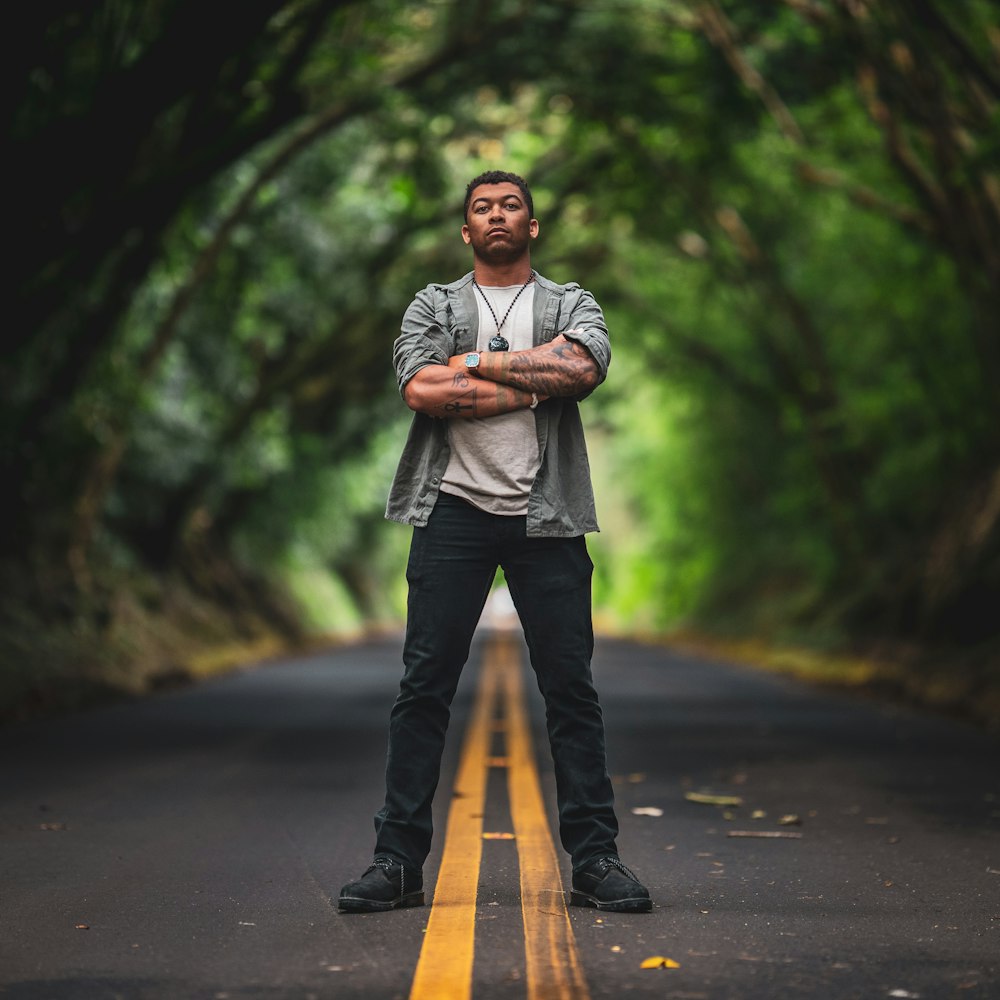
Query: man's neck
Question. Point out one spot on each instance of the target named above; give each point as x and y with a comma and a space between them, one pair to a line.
501, 275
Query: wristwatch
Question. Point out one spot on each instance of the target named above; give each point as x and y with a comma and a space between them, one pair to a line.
472, 360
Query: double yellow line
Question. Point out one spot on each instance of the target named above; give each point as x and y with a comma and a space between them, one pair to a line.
553, 970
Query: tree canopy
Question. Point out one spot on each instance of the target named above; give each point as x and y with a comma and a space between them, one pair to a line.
789, 211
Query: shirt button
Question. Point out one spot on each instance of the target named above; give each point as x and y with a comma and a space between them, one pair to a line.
435, 481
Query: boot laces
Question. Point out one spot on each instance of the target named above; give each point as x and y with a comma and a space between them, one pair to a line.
387, 864
613, 862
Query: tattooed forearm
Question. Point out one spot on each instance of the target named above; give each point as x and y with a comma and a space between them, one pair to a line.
458, 399
463, 405
441, 391
503, 398
560, 368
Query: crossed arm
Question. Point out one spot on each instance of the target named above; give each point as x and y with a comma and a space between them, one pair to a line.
503, 382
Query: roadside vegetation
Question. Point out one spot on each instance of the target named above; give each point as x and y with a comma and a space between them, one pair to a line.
790, 212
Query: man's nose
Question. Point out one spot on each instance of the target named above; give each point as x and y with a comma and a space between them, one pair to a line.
496, 214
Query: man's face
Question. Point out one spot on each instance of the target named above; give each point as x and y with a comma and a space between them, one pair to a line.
498, 227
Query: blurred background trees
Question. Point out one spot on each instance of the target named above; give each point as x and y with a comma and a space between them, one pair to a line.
790, 212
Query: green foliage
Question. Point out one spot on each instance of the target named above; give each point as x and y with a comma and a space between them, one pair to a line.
788, 211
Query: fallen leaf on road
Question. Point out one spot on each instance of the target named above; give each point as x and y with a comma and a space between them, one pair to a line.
904, 994
52, 826
82, 927
758, 814
659, 962
636, 778
616, 948
766, 834
713, 800
790, 820
647, 811
498, 836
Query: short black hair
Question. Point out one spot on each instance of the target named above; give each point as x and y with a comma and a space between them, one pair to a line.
499, 177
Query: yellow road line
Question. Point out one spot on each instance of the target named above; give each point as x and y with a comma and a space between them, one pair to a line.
553, 967
554, 971
444, 969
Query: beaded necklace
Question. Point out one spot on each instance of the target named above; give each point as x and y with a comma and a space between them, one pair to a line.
497, 342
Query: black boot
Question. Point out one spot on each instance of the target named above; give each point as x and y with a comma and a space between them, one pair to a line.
606, 884
387, 885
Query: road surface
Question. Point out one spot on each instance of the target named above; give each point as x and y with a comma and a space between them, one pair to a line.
188, 845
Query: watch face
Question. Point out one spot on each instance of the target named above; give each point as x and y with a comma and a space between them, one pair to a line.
471, 360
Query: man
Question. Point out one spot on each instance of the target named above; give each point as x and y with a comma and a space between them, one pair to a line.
495, 472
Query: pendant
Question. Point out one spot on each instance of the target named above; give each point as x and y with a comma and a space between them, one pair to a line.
498, 343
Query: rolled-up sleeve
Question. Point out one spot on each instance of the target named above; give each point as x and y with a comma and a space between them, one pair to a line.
422, 340
585, 324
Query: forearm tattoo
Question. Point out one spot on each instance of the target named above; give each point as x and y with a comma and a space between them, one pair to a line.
462, 401
473, 397
564, 369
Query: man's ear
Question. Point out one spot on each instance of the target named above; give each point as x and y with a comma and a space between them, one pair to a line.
466, 238
533, 229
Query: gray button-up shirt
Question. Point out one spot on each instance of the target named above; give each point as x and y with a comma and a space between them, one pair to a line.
443, 320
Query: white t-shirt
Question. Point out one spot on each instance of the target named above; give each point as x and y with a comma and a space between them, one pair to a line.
494, 460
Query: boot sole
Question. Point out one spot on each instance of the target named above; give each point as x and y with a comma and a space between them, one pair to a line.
635, 904
356, 904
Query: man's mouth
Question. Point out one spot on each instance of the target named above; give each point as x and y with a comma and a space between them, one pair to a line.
497, 231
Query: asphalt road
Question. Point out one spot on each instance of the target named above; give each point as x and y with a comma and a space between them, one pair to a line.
187, 846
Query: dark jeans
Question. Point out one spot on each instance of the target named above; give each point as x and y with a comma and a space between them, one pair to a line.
451, 567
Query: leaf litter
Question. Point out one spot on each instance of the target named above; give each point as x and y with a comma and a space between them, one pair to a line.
659, 962
766, 834
708, 799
